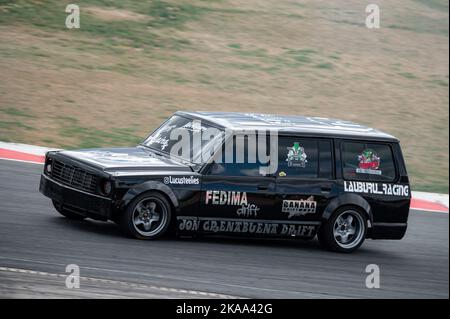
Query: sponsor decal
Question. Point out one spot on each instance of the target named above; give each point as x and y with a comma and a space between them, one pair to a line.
157, 139
245, 227
169, 128
376, 188
183, 180
299, 207
296, 156
369, 162
226, 198
249, 210
195, 126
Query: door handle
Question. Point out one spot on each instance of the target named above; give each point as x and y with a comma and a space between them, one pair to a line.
263, 187
325, 189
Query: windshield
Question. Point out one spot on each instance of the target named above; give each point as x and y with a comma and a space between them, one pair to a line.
186, 138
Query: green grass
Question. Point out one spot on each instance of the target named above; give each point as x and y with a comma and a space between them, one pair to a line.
441, 5
234, 45
14, 125
50, 15
433, 187
440, 82
334, 56
326, 66
259, 53
417, 28
89, 137
173, 15
407, 75
302, 56
421, 181
16, 112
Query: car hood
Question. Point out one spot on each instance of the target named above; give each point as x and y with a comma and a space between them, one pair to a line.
110, 159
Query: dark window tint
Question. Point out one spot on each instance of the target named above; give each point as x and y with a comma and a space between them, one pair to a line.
365, 161
245, 161
298, 157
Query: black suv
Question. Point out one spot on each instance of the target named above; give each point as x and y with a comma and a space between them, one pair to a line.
198, 172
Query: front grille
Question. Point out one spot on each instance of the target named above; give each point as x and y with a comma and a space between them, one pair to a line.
74, 176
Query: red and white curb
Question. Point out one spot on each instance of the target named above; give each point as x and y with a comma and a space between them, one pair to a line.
431, 202
23, 152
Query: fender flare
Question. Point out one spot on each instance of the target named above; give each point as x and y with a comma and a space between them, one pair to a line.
348, 199
138, 189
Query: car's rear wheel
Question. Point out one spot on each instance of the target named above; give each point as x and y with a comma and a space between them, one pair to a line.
345, 231
147, 216
66, 213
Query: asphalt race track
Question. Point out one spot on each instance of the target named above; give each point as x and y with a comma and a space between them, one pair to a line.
36, 244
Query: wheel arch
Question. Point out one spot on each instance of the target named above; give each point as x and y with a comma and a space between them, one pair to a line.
150, 186
348, 200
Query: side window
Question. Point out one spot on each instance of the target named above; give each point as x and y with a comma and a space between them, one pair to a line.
298, 157
243, 164
367, 162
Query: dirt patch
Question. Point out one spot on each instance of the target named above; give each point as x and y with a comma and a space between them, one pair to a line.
114, 14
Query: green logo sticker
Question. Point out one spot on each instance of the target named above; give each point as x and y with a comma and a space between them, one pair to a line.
296, 156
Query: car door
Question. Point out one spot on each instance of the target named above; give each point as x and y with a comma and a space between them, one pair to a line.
305, 179
233, 190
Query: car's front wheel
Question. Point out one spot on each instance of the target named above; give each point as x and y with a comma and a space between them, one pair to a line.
345, 231
147, 216
68, 214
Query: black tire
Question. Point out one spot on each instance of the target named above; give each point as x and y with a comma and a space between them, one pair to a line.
68, 214
141, 211
330, 232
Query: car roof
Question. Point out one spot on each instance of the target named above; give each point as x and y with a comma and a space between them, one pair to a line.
311, 126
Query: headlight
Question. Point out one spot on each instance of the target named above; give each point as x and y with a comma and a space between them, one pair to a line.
48, 167
107, 187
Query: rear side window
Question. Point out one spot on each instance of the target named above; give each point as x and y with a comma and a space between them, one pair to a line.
367, 162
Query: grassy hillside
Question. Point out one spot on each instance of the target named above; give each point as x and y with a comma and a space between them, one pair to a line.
132, 63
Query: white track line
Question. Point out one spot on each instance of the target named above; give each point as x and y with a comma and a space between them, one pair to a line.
122, 283
428, 210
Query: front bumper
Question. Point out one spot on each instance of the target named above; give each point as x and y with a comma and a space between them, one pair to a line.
80, 202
